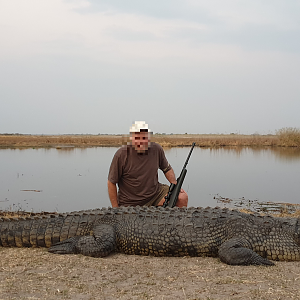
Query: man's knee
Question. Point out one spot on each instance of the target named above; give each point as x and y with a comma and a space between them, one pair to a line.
183, 199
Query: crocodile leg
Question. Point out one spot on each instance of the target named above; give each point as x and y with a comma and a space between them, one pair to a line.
100, 244
236, 251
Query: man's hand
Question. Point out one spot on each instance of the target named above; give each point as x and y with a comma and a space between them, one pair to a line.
182, 200
112, 193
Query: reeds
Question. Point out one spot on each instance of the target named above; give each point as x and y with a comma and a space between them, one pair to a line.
215, 140
285, 137
178, 140
19, 141
289, 136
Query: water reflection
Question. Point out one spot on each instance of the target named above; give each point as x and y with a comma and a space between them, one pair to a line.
290, 153
71, 178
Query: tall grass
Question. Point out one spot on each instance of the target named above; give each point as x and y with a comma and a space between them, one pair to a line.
215, 140
58, 140
285, 137
289, 136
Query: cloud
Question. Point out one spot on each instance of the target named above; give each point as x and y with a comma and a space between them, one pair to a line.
216, 61
117, 31
50, 27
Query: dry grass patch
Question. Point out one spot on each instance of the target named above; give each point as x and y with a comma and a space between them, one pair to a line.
214, 140
37, 274
201, 140
60, 140
285, 137
289, 136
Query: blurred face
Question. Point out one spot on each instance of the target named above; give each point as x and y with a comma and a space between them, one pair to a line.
140, 141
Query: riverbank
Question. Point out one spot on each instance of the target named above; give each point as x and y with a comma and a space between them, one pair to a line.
174, 140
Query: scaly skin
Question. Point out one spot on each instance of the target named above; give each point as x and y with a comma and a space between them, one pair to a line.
237, 238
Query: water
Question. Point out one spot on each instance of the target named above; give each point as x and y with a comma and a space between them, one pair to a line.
70, 179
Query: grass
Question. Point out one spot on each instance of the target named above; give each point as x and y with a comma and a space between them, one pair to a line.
285, 137
215, 140
289, 136
59, 140
281, 139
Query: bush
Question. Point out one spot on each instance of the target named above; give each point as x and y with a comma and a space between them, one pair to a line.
289, 136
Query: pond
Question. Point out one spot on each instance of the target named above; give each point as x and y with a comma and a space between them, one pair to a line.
70, 179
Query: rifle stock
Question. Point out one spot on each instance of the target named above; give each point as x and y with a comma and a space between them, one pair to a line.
174, 189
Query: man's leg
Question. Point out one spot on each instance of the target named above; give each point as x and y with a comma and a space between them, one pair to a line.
182, 200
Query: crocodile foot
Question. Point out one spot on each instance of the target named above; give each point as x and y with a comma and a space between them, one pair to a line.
236, 252
100, 244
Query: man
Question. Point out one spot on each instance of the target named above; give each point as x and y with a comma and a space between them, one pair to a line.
134, 168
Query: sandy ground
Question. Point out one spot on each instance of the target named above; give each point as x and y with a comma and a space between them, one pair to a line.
37, 274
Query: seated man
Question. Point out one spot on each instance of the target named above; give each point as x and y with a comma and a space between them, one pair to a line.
135, 169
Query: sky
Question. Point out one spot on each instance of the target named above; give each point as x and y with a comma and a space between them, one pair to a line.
183, 66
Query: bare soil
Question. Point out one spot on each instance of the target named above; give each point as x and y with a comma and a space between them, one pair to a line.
28, 273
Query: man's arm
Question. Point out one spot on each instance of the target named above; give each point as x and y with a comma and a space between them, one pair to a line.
112, 193
170, 175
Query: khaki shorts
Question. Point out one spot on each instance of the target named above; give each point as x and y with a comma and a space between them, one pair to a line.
162, 192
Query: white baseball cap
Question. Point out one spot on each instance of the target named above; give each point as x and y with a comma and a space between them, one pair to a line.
138, 126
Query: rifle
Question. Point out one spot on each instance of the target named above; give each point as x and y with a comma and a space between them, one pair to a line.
174, 189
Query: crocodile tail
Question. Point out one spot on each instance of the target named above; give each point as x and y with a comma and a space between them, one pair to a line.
43, 231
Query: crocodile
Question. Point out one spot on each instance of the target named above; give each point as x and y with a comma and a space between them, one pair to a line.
235, 237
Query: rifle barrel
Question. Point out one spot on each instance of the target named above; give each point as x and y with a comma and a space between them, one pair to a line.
187, 160
172, 196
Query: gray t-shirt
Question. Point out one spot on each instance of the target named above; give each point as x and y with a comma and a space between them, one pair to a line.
136, 173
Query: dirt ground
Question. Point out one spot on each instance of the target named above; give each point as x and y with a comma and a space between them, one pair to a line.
36, 274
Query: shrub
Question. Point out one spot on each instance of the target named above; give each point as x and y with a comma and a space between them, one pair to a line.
289, 136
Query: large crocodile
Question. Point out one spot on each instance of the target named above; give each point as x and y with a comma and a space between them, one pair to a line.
237, 238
